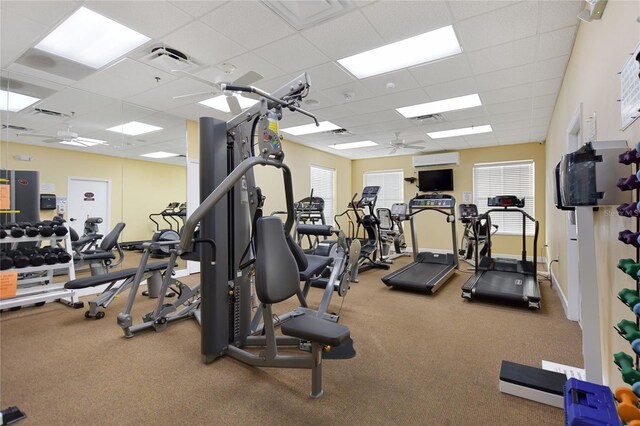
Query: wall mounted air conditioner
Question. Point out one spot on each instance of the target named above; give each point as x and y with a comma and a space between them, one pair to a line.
436, 159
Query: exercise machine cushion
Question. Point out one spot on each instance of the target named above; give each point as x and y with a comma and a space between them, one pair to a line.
298, 254
326, 230
312, 328
112, 276
277, 275
316, 264
95, 255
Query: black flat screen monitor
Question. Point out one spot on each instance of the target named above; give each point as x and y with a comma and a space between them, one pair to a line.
435, 180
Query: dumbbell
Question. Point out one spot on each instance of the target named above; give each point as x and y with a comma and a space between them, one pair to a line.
19, 259
627, 209
629, 297
29, 229
50, 258
625, 363
5, 262
627, 404
628, 183
59, 229
45, 228
63, 256
629, 157
34, 255
628, 330
3, 233
629, 237
14, 229
629, 267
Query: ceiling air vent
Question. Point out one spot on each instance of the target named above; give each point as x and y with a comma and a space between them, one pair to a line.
429, 118
341, 132
168, 59
18, 128
50, 113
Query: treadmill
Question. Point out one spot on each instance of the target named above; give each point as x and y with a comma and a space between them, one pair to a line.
428, 271
508, 280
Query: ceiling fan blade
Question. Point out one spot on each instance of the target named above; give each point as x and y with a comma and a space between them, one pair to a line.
248, 79
196, 78
414, 147
415, 142
393, 150
234, 105
191, 94
34, 135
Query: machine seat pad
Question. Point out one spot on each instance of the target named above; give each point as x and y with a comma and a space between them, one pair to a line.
112, 276
316, 265
309, 327
306, 229
95, 255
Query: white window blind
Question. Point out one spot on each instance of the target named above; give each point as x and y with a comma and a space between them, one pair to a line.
509, 178
391, 187
323, 184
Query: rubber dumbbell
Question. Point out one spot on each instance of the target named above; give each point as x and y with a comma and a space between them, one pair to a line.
636, 388
628, 330
34, 255
3, 233
29, 229
629, 183
629, 267
627, 209
5, 262
627, 404
634, 423
629, 157
629, 237
19, 259
50, 256
14, 230
59, 229
629, 297
45, 228
625, 363
63, 256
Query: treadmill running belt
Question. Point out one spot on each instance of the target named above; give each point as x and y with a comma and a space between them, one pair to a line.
501, 285
420, 276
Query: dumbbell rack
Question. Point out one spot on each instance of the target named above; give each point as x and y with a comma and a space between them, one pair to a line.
28, 293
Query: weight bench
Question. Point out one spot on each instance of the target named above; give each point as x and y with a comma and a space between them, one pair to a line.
152, 272
101, 259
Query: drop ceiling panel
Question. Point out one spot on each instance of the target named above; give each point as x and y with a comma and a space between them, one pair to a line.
203, 43
478, 114
558, 14
401, 80
330, 36
198, 8
19, 69
195, 111
161, 97
448, 69
505, 78
551, 68
77, 101
336, 113
556, 43
506, 55
328, 75
454, 143
391, 101
504, 25
323, 101
466, 9
364, 119
235, 18
17, 34
511, 116
292, 54
547, 87
143, 16
507, 94
410, 18
524, 137
357, 90
544, 101
244, 63
452, 89
510, 106
124, 79
48, 13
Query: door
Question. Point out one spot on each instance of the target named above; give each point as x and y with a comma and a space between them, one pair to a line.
574, 139
88, 197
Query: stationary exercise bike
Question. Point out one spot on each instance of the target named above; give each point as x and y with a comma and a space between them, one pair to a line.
392, 231
471, 243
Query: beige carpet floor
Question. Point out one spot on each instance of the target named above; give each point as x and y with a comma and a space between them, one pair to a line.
421, 359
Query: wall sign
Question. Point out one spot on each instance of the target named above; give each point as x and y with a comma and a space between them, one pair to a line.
89, 196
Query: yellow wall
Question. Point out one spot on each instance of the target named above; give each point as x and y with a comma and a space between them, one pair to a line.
433, 230
137, 187
600, 50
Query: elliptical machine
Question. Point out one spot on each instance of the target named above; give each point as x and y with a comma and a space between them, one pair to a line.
166, 234
473, 240
392, 231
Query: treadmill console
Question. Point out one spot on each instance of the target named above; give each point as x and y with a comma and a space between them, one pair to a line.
432, 200
467, 211
399, 210
310, 204
505, 201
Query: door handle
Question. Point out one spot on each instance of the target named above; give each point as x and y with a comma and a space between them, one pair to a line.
71, 219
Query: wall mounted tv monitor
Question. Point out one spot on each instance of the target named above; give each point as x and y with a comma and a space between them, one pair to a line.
435, 180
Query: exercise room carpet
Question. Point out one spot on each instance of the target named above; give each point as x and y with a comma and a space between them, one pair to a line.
421, 359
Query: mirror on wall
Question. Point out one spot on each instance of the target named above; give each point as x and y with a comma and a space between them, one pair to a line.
123, 160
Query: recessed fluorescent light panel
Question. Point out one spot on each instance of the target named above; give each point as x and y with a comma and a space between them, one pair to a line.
83, 142
134, 128
474, 130
444, 105
159, 154
352, 145
427, 47
307, 129
220, 102
14, 102
91, 39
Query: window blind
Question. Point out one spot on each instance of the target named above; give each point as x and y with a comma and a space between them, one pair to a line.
391, 187
509, 178
323, 185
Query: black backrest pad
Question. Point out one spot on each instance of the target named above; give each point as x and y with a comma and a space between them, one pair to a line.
276, 269
298, 254
73, 234
110, 240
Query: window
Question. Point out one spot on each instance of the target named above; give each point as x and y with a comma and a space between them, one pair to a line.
509, 178
391, 187
323, 184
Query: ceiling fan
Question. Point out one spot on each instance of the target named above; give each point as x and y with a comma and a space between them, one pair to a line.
246, 79
398, 143
66, 137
